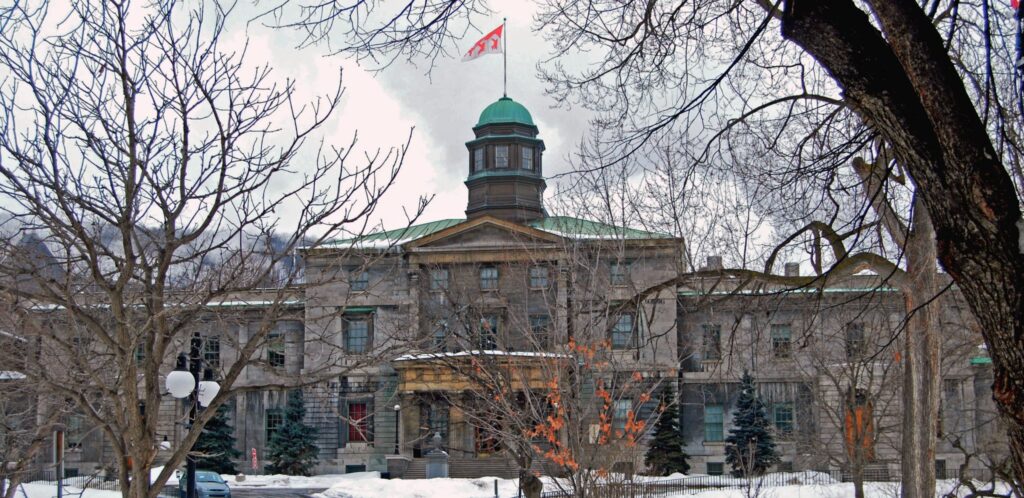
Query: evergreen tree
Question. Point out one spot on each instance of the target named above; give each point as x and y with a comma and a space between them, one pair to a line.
292, 449
665, 455
750, 447
216, 445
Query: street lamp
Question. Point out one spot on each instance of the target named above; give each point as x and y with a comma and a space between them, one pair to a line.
398, 409
184, 382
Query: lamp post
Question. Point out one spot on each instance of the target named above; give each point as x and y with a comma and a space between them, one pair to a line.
184, 382
398, 411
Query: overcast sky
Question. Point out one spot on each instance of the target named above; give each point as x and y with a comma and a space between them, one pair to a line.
442, 106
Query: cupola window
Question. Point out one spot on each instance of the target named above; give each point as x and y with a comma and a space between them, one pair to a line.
528, 158
478, 159
501, 156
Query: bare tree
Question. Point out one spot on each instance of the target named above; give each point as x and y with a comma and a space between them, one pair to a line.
153, 168
937, 83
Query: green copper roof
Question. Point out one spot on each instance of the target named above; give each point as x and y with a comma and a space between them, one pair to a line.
576, 228
505, 111
399, 236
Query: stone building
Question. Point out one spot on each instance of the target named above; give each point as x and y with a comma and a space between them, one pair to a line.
417, 309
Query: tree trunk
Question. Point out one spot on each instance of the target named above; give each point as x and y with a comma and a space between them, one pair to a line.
905, 86
921, 378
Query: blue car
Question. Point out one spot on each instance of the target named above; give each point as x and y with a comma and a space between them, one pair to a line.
208, 485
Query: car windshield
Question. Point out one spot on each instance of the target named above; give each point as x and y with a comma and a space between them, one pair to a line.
208, 477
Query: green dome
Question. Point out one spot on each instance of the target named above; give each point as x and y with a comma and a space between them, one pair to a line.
505, 111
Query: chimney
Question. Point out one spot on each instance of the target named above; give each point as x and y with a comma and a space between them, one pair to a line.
792, 269
714, 263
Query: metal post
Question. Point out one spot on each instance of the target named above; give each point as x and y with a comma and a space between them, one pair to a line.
58, 457
504, 57
398, 415
193, 368
495, 488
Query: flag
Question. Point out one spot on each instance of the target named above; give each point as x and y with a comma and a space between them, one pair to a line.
489, 44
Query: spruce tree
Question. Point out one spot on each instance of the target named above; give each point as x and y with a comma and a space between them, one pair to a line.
292, 449
750, 447
665, 455
216, 445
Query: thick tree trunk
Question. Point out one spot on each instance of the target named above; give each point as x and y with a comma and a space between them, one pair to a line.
905, 87
921, 378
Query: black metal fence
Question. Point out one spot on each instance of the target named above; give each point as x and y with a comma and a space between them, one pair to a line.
645, 487
75, 485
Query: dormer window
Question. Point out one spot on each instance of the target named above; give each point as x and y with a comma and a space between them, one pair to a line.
501, 156
478, 159
528, 158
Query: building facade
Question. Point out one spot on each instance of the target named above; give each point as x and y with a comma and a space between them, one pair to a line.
582, 321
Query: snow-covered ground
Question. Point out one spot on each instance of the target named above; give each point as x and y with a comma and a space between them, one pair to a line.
370, 485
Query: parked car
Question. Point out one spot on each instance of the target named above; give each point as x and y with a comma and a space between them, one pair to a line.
208, 485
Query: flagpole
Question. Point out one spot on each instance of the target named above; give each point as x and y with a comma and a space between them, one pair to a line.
504, 57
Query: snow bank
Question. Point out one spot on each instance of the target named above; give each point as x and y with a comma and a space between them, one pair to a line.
46, 490
298, 482
369, 485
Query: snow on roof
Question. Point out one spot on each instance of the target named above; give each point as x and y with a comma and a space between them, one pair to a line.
391, 238
487, 352
13, 336
11, 375
563, 226
236, 303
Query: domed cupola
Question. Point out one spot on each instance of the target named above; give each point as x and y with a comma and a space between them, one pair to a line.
505, 168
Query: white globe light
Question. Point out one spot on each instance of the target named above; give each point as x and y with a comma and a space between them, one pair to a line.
165, 444
180, 383
208, 390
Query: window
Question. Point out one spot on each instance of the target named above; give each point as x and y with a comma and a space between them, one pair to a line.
623, 332
855, 345
783, 416
440, 337
359, 422
275, 418
527, 158
438, 279
488, 332
714, 420
434, 419
619, 273
478, 159
140, 353
500, 156
712, 342
74, 431
488, 278
357, 334
859, 426
620, 413
211, 351
360, 280
781, 337
539, 327
275, 349
715, 468
940, 469
538, 277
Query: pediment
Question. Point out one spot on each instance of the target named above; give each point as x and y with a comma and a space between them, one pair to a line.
485, 232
